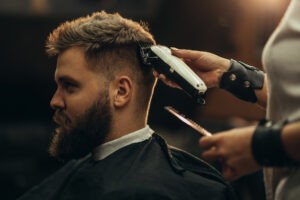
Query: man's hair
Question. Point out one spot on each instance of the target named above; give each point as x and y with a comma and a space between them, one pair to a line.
110, 44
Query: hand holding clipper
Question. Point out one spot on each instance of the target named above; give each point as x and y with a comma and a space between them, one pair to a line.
161, 59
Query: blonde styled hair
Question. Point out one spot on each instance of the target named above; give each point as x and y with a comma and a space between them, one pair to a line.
97, 31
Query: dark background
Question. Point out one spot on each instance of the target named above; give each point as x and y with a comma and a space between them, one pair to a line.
231, 28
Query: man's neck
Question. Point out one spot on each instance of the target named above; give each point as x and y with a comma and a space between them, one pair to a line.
120, 129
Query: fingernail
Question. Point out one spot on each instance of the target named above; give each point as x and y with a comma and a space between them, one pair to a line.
174, 48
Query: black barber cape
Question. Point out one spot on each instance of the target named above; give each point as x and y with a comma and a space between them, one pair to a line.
145, 170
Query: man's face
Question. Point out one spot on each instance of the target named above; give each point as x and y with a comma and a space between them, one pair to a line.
82, 107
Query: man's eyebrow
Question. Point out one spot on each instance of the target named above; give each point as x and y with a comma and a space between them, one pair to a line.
66, 78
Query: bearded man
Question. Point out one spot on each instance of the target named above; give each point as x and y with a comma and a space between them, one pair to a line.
101, 105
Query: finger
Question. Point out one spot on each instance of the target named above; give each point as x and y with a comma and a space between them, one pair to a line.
211, 154
186, 54
228, 172
162, 77
191, 64
198, 67
168, 81
207, 142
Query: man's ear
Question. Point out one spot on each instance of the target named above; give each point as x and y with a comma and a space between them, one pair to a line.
122, 91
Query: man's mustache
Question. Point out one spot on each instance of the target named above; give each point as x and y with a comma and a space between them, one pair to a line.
61, 118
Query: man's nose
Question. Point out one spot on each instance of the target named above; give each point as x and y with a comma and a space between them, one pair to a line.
57, 102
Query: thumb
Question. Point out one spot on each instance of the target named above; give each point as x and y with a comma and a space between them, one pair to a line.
207, 142
185, 54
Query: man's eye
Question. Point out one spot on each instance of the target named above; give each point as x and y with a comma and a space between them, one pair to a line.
69, 87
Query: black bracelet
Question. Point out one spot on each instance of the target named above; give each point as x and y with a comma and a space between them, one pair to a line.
267, 147
241, 80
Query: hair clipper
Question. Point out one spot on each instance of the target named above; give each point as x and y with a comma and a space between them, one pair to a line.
161, 59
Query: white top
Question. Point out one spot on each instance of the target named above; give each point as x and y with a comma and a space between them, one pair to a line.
106, 149
281, 60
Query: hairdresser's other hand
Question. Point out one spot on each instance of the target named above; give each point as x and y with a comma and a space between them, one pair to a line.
233, 149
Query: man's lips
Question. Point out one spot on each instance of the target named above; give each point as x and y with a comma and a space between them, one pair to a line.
61, 118
56, 120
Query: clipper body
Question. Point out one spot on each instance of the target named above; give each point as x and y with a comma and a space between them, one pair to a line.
161, 59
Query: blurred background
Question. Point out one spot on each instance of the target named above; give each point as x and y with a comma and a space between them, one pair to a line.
231, 28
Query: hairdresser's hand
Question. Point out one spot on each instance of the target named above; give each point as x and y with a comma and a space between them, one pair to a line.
209, 67
233, 149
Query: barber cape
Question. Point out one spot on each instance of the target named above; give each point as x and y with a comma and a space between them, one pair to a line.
145, 170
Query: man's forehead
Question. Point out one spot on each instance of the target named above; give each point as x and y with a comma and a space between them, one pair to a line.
72, 57
73, 63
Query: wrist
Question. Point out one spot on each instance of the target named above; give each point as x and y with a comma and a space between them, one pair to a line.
242, 80
267, 146
226, 64
222, 68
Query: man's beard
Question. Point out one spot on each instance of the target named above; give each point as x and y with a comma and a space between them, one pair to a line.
76, 138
